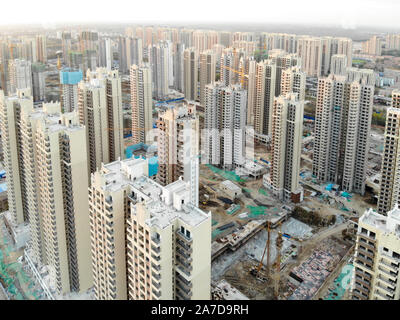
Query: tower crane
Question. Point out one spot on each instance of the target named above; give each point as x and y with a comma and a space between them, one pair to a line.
241, 73
277, 274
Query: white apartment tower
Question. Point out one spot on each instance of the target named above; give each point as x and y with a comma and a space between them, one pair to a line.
286, 136
171, 236
227, 65
338, 64
141, 102
223, 136
342, 127
20, 75
377, 256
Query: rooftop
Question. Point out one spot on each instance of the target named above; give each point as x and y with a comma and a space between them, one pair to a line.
387, 224
159, 200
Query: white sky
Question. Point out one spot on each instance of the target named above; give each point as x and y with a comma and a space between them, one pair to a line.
345, 13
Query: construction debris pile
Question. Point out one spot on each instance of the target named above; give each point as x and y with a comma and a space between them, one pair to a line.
224, 291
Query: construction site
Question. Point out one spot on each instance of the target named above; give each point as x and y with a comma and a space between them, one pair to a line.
263, 248
16, 279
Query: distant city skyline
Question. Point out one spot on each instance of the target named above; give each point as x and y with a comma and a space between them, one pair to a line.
345, 14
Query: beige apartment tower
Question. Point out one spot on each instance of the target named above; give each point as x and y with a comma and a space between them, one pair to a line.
178, 143
389, 193
264, 96
46, 165
100, 111
207, 72
10, 115
377, 257
141, 102
286, 136
62, 168
148, 241
190, 73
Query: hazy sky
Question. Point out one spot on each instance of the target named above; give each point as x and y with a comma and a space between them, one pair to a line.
345, 13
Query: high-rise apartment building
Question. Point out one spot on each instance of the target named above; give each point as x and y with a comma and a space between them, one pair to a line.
293, 79
223, 140
69, 80
41, 49
264, 96
282, 61
225, 38
10, 126
130, 51
179, 76
62, 168
199, 41
134, 53
342, 128
310, 51
377, 257
142, 104
66, 45
38, 81
392, 42
389, 193
190, 70
100, 111
373, 46
251, 91
178, 145
286, 140
207, 72
173, 237
45, 159
148, 241
338, 64
160, 56
20, 75
88, 40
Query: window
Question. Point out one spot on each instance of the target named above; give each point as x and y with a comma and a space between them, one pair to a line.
188, 233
